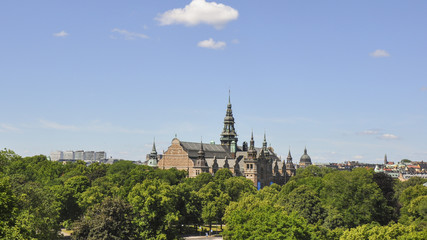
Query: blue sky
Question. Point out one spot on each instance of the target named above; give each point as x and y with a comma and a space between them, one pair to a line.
347, 79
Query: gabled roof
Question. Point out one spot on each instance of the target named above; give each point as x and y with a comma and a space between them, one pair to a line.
211, 150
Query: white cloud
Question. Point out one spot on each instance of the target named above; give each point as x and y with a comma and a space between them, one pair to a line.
129, 35
8, 128
235, 41
370, 132
61, 34
358, 157
200, 11
57, 126
379, 53
389, 136
210, 43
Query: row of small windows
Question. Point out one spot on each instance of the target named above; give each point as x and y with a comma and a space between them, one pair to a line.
250, 166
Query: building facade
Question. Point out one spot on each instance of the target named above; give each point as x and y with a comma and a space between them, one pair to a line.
261, 165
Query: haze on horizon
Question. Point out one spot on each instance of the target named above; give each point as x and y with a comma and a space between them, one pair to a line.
346, 79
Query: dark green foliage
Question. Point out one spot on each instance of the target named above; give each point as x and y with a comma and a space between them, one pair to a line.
353, 198
112, 219
305, 203
386, 183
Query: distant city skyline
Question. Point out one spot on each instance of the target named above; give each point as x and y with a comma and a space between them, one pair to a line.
347, 80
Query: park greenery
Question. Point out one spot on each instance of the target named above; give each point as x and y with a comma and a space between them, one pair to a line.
124, 200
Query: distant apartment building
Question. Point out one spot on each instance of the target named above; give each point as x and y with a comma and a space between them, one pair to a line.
69, 155
72, 156
79, 155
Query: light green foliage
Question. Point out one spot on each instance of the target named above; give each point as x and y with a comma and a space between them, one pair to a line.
154, 204
199, 181
214, 201
35, 216
223, 174
414, 206
237, 186
7, 206
90, 197
401, 186
377, 232
253, 218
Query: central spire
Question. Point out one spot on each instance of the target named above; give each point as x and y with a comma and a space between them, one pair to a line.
252, 151
228, 134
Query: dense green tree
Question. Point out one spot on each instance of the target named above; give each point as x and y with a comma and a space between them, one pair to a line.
96, 170
199, 181
223, 174
112, 219
154, 205
401, 186
90, 197
188, 205
353, 198
386, 183
253, 218
68, 195
305, 203
214, 202
237, 186
414, 206
7, 206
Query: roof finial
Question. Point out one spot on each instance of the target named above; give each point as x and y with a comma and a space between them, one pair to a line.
154, 143
229, 94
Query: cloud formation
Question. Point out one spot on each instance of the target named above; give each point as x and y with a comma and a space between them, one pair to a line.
199, 11
388, 136
210, 43
379, 134
379, 53
370, 132
8, 128
129, 35
61, 34
424, 89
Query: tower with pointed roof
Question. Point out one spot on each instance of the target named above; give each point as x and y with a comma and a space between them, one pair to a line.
251, 162
385, 159
201, 165
228, 134
288, 168
152, 161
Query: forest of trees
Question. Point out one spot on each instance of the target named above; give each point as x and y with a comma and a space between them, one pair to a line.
38, 197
